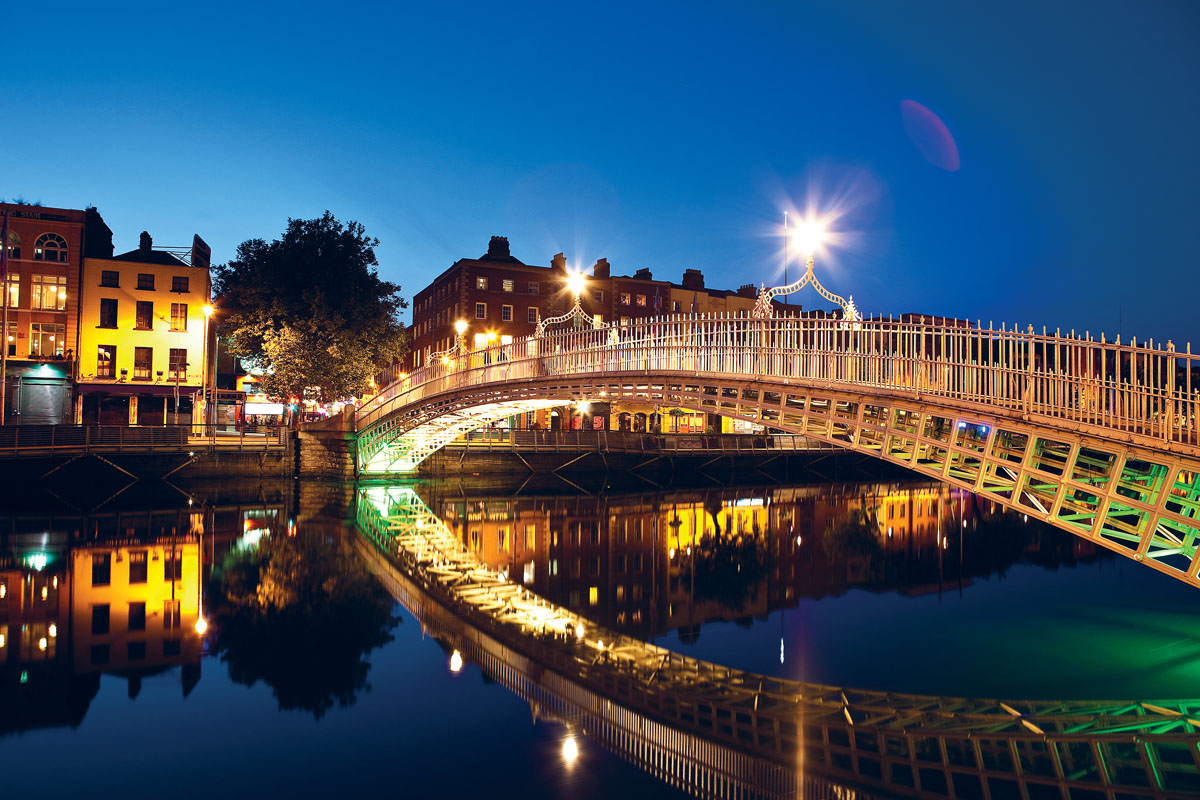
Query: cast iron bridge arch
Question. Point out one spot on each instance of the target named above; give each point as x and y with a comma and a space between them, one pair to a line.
1098, 438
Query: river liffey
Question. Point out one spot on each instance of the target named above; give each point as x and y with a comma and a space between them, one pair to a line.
469, 638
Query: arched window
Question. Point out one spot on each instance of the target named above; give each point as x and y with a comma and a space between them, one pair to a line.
14, 245
50, 247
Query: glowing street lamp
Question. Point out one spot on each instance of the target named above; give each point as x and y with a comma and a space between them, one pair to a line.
576, 283
808, 235
460, 329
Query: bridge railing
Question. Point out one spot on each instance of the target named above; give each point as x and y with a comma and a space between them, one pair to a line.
1144, 390
23, 440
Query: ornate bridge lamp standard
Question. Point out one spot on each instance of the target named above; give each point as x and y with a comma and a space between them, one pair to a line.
459, 348
808, 235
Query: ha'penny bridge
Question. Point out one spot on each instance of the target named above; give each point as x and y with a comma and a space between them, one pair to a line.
720, 732
1099, 438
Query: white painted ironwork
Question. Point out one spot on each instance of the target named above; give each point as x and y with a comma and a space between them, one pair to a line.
763, 308
1095, 437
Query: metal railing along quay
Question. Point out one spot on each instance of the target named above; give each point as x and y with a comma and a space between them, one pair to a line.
31, 440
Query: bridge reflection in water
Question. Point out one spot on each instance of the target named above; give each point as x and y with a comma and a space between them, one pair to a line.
721, 732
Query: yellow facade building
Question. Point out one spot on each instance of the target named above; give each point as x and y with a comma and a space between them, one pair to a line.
136, 607
142, 332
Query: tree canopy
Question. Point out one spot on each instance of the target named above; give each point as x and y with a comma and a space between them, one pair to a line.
310, 310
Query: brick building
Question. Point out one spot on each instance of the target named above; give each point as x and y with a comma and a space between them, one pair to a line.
501, 299
45, 251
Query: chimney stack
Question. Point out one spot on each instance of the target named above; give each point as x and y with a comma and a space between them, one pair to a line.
145, 244
498, 247
601, 269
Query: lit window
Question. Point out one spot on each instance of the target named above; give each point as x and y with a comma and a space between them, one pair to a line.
49, 292
481, 311
14, 289
508, 284
50, 247
594, 596
106, 359
179, 315
481, 283
177, 364
641, 300
624, 298
47, 339
506, 313
527, 577
531, 316
502, 538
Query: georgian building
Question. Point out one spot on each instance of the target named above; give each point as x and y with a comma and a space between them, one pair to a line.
44, 254
142, 336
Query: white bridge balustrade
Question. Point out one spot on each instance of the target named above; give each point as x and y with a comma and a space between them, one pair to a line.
1099, 438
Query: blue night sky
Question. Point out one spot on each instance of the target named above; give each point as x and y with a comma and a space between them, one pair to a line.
662, 135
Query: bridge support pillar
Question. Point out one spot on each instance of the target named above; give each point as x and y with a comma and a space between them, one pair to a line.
326, 449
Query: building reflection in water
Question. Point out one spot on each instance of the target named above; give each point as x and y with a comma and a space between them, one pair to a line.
108, 593
649, 563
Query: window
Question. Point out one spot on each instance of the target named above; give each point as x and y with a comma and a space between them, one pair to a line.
641, 300
507, 284
100, 619
179, 316
598, 296
108, 313
594, 596
137, 611
170, 615
110, 278
12, 338
50, 247
14, 290
106, 361
481, 311
14, 245
506, 313
481, 283
143, 363
172, 566
179, 283
137, 568
530, 536
675, 306
136, 651
46, 339
624, 298
531, 316
101, 569
146, 281
533, 287
144, 319
49, 292
502, 538
177, 364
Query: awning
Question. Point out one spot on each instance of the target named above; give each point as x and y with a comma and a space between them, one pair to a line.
140, 389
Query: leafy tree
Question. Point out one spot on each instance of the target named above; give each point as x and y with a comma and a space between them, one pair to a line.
310, 310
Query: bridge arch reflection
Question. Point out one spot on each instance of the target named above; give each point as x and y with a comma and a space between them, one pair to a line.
720, 732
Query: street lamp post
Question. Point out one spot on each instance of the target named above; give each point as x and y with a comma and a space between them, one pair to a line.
208, 312
808, 235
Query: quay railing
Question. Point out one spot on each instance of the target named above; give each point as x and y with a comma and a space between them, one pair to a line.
1146, 390
27, 440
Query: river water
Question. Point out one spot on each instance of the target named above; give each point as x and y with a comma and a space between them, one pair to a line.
309, 677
